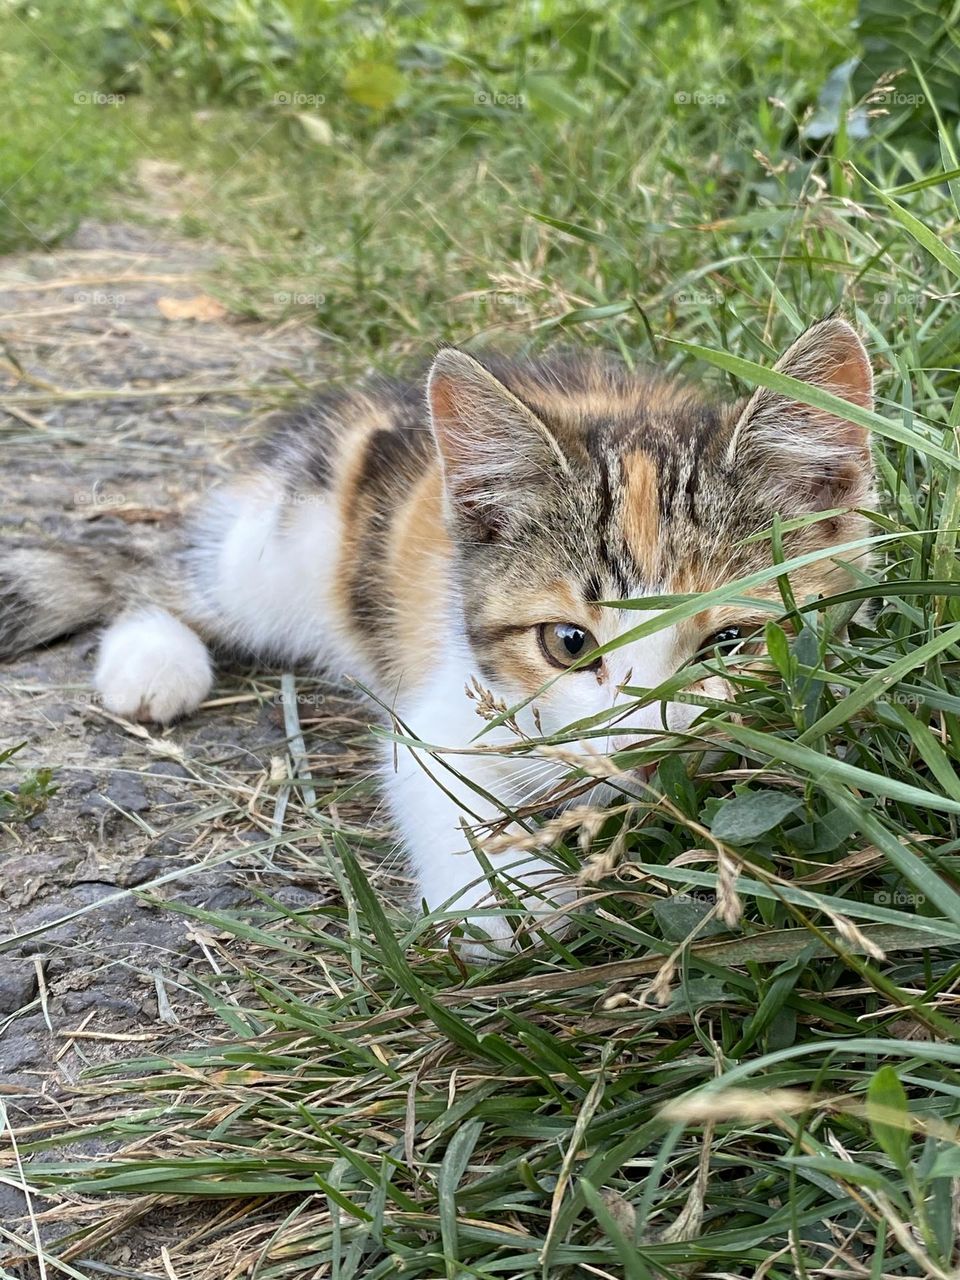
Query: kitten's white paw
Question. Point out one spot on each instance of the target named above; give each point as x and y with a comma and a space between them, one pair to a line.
152, 667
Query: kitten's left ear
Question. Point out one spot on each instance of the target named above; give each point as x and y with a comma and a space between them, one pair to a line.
805, 458
497, 456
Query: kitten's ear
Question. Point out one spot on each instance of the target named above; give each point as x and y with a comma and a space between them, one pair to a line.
802, 458
497, 455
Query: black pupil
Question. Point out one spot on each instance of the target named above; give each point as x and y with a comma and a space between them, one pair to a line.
724, 639
573, 639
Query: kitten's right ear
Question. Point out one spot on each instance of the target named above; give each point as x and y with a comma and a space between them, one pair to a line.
803, 458
497, 455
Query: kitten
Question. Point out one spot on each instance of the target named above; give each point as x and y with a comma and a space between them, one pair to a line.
416, 543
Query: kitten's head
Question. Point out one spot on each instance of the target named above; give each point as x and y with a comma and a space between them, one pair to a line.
575, 482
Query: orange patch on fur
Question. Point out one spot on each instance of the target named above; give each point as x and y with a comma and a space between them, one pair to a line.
418, 556
520, 664
641, 518
601, 398
555, 602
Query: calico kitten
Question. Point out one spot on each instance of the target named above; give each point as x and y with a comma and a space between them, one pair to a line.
416, 542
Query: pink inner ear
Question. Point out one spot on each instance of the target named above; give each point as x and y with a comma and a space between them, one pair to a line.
845, 372
445, 411
442, 400
830, 355
853, 380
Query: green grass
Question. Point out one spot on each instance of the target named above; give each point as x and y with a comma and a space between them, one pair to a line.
60, 150
386, 1111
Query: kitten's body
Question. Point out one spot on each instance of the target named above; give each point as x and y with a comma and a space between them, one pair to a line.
362, 542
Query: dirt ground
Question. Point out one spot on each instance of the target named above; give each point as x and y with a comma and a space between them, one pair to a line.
114, 361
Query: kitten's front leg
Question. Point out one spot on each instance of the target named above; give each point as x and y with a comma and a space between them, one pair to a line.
447, 871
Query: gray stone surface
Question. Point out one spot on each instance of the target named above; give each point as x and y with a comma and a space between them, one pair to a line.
18, 985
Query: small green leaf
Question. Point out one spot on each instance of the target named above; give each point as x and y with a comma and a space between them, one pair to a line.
806, 648
778, 647
682, 915
377, 85
747, 817
825, 834
888, 1114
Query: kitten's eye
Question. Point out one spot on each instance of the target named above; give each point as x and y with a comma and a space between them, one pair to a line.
722, 642
565, 642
